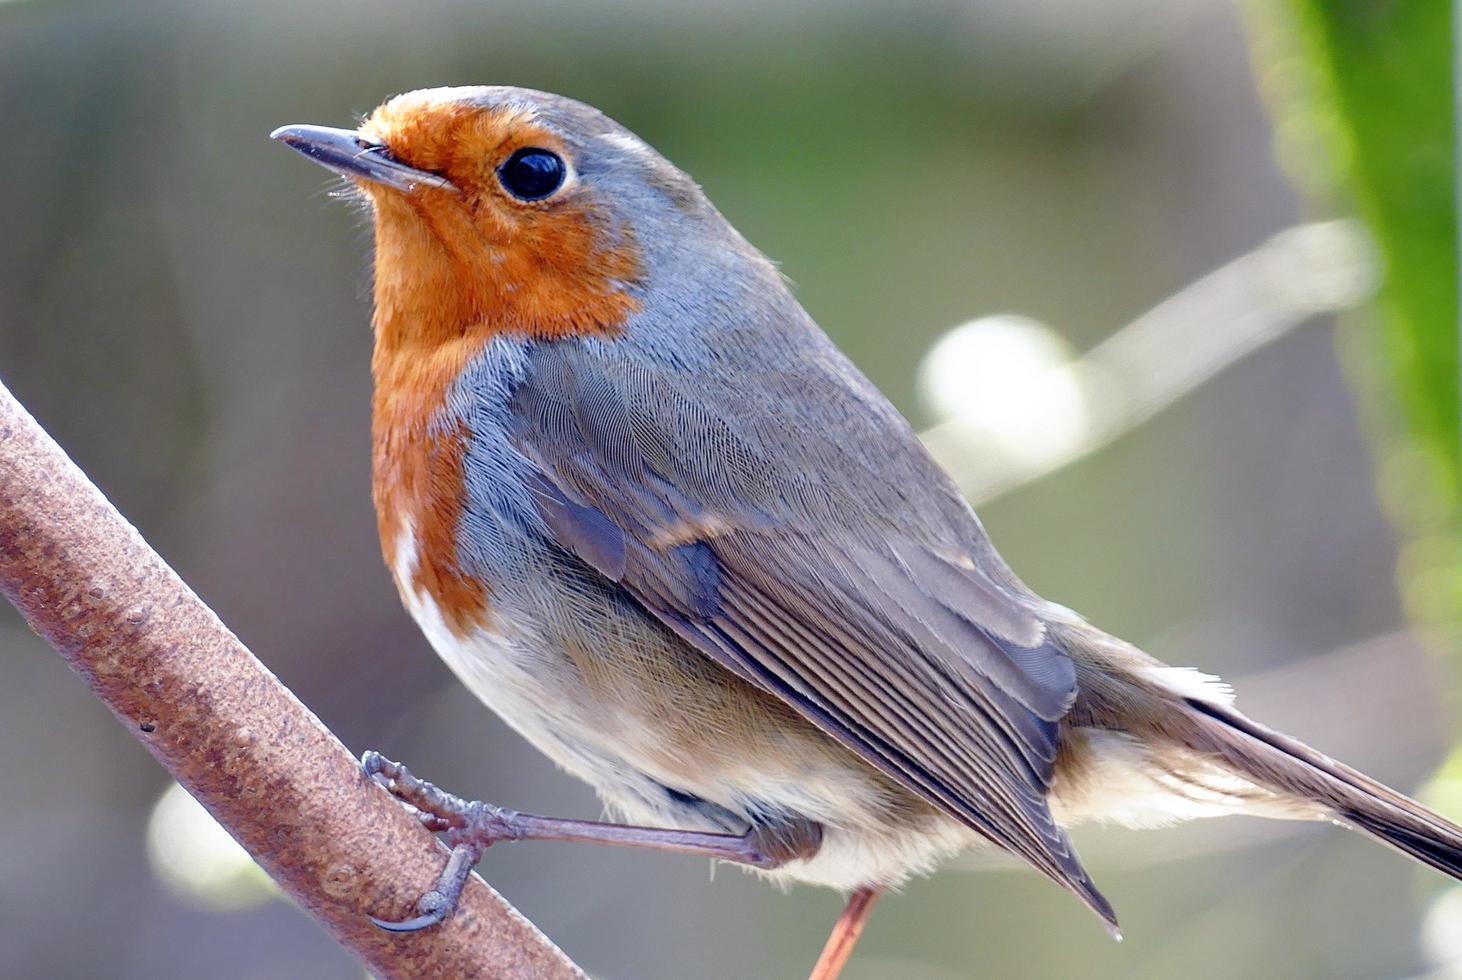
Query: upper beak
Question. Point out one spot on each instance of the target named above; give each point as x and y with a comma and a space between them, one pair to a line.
347, 152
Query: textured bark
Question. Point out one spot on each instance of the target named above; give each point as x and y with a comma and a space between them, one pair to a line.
225, 727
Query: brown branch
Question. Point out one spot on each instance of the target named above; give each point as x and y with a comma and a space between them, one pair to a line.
225, 727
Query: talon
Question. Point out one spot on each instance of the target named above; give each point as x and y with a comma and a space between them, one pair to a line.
415, 924
437, 904
382, 771
434, 908
374, 763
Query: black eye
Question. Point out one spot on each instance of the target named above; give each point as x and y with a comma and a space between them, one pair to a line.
532, 173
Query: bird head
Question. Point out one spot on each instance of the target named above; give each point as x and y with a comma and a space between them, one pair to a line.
504, 210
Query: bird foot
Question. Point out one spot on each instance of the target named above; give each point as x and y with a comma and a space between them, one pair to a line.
470, 828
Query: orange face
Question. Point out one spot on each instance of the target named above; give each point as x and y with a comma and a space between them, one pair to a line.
482, 259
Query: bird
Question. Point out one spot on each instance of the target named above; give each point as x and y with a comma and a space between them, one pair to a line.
649, 514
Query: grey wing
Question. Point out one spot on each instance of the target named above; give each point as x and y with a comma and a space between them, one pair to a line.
899, 646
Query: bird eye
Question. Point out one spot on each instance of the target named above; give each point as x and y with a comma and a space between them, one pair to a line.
532, 173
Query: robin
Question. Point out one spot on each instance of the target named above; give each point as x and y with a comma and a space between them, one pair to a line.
649, 514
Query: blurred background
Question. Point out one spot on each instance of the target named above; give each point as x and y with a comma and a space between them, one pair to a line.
186, 309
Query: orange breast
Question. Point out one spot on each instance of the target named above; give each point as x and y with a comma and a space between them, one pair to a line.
418, 470
440, 297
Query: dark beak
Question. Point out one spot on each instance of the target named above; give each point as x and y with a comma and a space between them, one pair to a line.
349, 153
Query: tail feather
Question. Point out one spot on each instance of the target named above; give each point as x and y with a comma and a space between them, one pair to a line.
1350, 797
1429, 848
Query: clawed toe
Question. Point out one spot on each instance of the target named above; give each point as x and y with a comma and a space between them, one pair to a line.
391, 776
437, 904
377, 766
438, 811
434, 908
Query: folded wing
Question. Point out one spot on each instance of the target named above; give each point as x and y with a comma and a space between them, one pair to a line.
900, 647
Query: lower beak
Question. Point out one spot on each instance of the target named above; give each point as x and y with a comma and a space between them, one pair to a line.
347, 152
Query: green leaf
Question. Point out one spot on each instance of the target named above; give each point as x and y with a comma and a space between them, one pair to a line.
1362, 93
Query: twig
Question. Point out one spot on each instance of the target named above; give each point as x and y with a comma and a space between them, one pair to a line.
1326, 267
223, 725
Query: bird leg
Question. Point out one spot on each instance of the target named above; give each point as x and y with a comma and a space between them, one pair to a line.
844, 935
471, 827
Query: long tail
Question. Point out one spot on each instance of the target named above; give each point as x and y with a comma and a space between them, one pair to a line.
1351, 798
